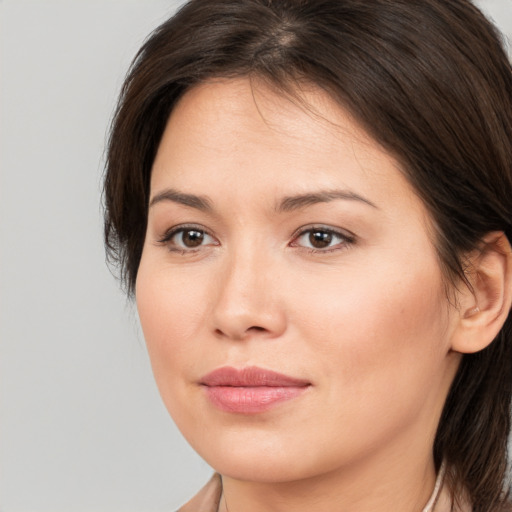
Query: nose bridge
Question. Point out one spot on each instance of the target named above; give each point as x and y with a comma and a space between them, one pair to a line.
248, 294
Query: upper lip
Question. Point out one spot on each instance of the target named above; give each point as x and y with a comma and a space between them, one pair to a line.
250, 376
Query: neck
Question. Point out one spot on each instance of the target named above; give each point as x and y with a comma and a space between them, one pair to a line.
392, 486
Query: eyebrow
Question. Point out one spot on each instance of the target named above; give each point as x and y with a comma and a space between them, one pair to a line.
288, 204
299, 201
191, 200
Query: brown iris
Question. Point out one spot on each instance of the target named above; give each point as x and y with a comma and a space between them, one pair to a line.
192, 237
320, 239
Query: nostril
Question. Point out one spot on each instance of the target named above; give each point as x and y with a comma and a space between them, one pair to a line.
242, 334
256, 328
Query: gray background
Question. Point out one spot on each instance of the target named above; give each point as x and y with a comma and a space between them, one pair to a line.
81, 423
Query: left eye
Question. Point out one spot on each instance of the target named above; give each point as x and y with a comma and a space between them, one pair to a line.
189, 238
320, 238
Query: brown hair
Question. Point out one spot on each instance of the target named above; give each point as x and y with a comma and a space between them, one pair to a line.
428, 79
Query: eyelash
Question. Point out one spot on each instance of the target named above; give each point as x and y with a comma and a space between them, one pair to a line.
166, 239
346, 239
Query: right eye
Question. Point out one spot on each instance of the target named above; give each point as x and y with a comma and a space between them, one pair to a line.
187, 238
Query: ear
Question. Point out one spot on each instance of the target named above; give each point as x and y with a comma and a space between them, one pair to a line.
484, 308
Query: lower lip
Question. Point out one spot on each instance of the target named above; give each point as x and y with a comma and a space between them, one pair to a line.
251, 400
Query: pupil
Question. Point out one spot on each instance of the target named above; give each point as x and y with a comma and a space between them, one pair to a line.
193, 238
320, 239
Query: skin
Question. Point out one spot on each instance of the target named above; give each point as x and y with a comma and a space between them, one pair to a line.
365, 320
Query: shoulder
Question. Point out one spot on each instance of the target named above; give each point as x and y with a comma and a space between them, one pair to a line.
207, 499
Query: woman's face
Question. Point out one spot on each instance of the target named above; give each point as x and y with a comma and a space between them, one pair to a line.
281, 238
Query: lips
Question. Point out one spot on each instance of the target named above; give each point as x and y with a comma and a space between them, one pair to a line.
250, 390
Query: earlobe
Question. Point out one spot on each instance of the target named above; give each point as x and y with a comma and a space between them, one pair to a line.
484, 308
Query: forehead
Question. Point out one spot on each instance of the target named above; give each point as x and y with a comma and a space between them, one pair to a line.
240, 133
265, 114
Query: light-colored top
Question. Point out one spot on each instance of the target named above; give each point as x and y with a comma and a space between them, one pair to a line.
207, 499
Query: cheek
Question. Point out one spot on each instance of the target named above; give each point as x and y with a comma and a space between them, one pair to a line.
171, 315
370, 305
168, 303
377, 335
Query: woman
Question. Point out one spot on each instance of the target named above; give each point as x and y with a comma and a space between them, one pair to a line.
310, 200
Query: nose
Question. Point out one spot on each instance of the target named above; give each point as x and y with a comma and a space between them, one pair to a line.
249, 298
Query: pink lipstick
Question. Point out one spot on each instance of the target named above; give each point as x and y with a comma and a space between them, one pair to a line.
250, 390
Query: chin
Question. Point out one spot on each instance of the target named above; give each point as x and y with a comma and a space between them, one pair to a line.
249, 454
262, 455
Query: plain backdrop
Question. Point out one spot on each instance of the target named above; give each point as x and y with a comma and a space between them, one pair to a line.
82, 427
